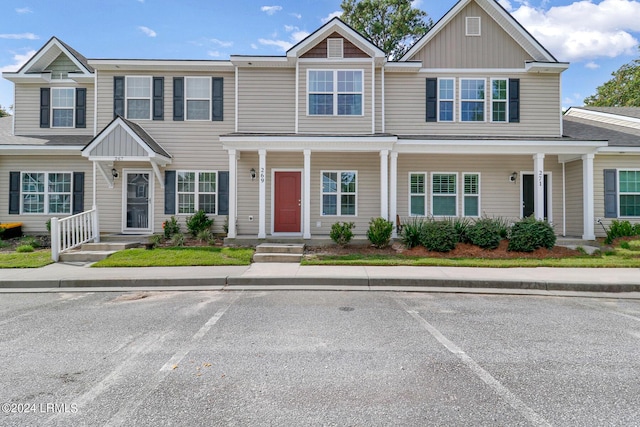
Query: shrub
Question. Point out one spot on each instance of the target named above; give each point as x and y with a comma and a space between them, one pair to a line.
461, 225
486, 233
379, 232
48, 225
205, 236
411, 231
530, 234
621, 229
171, 227
24, 248
30, 241
341, 232
177, 239
438, 236
198, 222
155, 240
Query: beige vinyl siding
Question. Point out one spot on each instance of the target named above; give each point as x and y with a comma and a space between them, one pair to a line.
405, 107
27, 110
574, 199
602, 162
498, 196
266, 100
451, 48
334, 124
36, 223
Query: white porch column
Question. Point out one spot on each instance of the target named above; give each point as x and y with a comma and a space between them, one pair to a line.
538, 186
306, 196
393, 192
384, 184
262, 193
95, 186
233, 183
587, 197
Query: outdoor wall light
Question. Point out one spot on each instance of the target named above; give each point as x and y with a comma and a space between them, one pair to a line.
513, 177
252, 172
114, 173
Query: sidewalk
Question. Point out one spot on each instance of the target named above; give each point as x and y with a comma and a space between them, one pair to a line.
542, 280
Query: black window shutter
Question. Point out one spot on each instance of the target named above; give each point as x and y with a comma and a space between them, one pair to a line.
223, 193
45, 105
170, 192
118, 96
178, 98
514, 100
81, 108
78, 192
432, 100
158, 98
610, 193
14, 193
218, 100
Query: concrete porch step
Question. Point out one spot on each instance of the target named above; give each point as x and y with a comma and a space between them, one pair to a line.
84, 256
277, 257
280, 248
109, 246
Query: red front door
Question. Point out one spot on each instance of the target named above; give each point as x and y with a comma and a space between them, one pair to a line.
287, 202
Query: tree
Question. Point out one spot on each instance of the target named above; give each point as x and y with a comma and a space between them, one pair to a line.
392, 25
3, 112
623, 90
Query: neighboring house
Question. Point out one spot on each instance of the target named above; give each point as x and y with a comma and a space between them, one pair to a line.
468, 123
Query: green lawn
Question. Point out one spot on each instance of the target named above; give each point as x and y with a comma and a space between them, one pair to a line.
179, 256
25, 259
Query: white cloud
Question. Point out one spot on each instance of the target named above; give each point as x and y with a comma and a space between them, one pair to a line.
506, 4
295, 36
296, 15
148, 31
330, 16
23, 10
270, 10
214, 54
23, 36
584, 30
592, 65
416, 4
298, 36
254, 46
289, 28
221, 43
284, 45
18, 61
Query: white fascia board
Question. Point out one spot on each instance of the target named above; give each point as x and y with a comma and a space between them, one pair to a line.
28, 78
40, 149
403, 67
160, 64
118, 159
297, 144
619, 150
81, 77
546, 67
497, 147
490, 71
261, 61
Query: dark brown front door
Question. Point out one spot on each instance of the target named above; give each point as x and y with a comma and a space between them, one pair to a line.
287, 202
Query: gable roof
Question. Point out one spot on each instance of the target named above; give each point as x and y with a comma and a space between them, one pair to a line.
631, 112
502, 18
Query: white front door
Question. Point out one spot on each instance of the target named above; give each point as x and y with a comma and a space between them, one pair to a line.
138, 201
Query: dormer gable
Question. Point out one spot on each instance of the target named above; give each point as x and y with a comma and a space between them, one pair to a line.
55, 61
335, 46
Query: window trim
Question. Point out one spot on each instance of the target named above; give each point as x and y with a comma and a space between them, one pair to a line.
338, 193
424, 195
464, 194
619, 193
452, 100
73, 108
187, 99
335, 93
434, 194
484, 100
46, 193
196, 192
505, 100
127, 97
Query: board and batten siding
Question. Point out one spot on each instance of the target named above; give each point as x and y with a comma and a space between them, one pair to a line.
266, 100
27, 110
334, 124
574, 199
36, 223
405, 106
451, 48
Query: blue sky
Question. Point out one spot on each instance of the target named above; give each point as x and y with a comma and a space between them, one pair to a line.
596, 36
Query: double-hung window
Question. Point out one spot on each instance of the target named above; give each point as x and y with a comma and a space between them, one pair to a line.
629, 193
46, 192
446, 93
499, 97
138, 97
472, 100
339, 190
197, 191
471, 200
335, 92
62, 107
198, 98
444, 197
417, 193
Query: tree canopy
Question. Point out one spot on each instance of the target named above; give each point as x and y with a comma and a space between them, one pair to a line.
3, 112
392, 25
623, 90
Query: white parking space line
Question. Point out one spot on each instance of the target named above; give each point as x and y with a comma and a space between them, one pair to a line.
529, 414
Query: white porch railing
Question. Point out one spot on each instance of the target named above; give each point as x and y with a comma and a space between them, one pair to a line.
72, 231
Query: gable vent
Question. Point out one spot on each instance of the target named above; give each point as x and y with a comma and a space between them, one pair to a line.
473, 26
335, 48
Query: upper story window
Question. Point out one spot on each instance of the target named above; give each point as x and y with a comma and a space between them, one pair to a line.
472, 100
499, 97
335, 92
138, 97
62, 107
198, 98
446, 94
